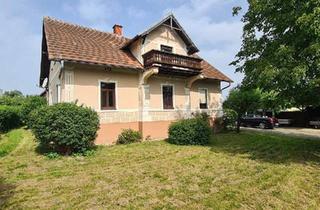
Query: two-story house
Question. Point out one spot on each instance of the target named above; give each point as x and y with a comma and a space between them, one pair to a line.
143, 83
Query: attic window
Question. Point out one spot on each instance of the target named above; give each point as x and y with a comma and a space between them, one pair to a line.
165, 48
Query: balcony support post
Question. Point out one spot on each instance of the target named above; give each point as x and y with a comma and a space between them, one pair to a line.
191, 80
187, 89
147, 74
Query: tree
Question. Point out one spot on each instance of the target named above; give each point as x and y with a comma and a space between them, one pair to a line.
281, 49
13, 93
243, 100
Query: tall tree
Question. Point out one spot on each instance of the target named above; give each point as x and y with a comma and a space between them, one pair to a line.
281, 49
242, 101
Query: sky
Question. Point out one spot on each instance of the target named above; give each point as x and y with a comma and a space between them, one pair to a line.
209, 23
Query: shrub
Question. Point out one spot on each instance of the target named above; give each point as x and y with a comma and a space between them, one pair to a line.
65, 128
229, 119
195, 131
201, 115
29, 104
9, 117
11, 100
128, 136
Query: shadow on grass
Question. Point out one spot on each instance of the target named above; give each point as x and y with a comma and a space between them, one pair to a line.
268, 147
6, 191
45, 150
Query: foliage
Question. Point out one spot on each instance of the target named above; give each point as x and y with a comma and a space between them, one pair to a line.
229, 119
242, 101
52, 155
10, 141
194, 131
11, 101
128, 136
201, 115
13, 93
65, 127
281, 51
9, 117
31, 103
27, 104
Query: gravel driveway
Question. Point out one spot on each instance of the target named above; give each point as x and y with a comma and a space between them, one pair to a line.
300, 132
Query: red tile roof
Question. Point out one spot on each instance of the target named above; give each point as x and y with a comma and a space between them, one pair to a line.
71, 42
76, 43
211, 72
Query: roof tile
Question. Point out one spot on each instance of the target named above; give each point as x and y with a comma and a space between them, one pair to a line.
72, 42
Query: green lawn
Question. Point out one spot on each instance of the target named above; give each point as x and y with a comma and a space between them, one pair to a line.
247, 171
9, 141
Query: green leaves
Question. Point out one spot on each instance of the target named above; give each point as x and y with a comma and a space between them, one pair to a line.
243, 101
281, 48
195, 131
65, 127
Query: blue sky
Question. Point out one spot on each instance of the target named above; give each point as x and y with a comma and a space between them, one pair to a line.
208, 22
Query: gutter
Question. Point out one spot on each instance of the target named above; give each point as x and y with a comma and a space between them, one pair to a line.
229, 84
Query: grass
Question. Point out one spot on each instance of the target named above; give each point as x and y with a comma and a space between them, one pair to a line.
9, 141
246, 171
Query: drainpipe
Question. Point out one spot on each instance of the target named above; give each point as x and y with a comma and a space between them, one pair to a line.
61, 68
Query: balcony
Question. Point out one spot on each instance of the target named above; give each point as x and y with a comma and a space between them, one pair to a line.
170, 62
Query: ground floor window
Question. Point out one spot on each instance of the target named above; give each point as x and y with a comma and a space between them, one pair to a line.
107, 95
167, 96
203, 96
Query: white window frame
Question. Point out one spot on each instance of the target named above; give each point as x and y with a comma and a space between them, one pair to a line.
207, 97
173, 96
99, 95
58, 93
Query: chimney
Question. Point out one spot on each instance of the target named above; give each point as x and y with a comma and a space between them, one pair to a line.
117, 29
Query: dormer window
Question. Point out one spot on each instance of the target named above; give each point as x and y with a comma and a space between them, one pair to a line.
165, 48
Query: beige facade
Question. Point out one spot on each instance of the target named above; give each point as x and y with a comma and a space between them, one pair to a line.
138, 93
136, 103
162, 35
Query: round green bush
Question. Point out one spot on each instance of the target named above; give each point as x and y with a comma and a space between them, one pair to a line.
128, 136
9, 117
195, 131
65, 127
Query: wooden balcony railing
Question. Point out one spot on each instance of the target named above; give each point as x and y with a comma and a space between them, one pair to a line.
169, 59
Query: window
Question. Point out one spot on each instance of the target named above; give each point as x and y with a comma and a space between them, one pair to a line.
165, 48
203, 93
167, 96
108, 96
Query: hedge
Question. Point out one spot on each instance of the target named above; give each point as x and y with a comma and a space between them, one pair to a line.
65, 127
29, 104
10, 117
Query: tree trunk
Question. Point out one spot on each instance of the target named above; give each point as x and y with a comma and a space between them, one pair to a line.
238, 124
